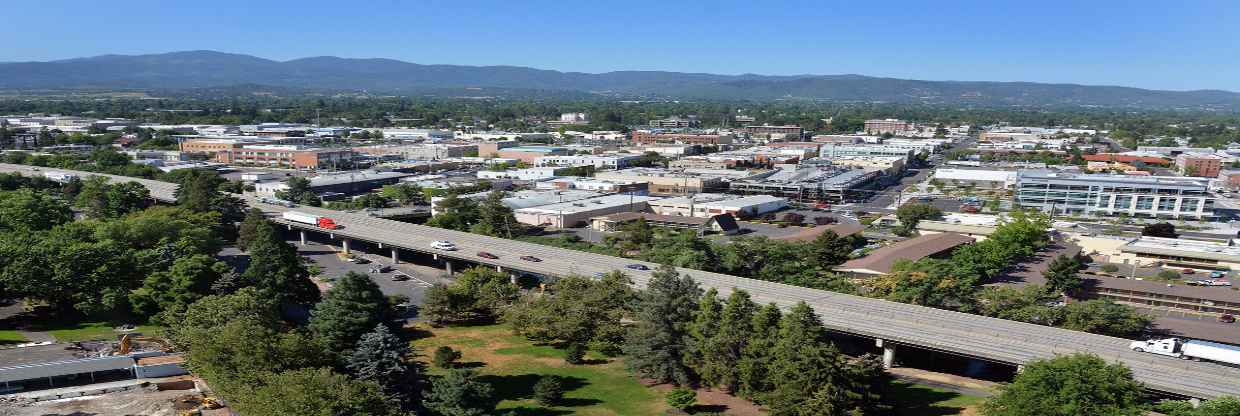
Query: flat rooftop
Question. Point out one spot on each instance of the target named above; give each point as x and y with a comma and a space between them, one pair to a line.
1183, 248
587, 205
880, 261
1111, 178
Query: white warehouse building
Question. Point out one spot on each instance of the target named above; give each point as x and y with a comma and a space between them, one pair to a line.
995, 179
600, 162
709, 205
579, 212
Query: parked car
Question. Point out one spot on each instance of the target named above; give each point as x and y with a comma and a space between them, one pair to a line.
1216, 275
359, 260
1227, 319
486, 255
443, 245
638, 267
531, 258
400, 277
1188, 271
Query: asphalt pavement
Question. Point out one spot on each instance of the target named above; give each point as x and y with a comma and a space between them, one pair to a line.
334, 266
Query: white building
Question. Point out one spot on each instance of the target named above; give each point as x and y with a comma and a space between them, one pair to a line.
431, 135
977, 177
578, 213
529, 174
600, 162
709, 205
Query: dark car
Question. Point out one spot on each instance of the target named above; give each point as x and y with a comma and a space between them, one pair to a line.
638, 267
486, 255
1227, 319
531, 258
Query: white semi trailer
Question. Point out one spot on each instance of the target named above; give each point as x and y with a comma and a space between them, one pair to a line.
1190, 349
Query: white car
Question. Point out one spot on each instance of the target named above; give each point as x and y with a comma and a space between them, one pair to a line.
443, 245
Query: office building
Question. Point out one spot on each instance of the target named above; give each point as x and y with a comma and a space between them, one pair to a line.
286, 156
708, 205
981, 178
426, 151
1103, 194
649, 137
530, 174
598, 161
674, 123
830, 150
530, 154
666, 182
774, 132
810, 183
594, 184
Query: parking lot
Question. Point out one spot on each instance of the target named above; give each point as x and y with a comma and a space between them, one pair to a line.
333, 266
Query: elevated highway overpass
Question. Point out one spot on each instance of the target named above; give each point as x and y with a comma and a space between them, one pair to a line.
891, 323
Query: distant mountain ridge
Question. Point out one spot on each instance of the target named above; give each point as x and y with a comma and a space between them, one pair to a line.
211, 69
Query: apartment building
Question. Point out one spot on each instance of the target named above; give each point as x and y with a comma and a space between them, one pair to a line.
828, 151
887, 126
1102, 194
784, 132
1199, 165
600, 162
674, 123
649, 137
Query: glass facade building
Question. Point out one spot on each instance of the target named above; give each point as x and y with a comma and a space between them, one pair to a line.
1105, 195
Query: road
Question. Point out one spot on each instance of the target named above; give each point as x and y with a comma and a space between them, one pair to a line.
897, 323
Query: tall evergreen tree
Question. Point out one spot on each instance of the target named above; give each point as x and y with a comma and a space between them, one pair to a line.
276, 269
249, 227
459, 393
1061, 275
352, 307
656, 344
704, 328
380, 357
724, 350
804, 361
755, 365
495, 218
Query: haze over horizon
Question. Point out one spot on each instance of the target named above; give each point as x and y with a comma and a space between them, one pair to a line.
1100, 43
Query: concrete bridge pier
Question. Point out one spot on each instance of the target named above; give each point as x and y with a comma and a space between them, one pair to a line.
447, 264
1195, 402
344, 245
395, 256
302, 234
889, 352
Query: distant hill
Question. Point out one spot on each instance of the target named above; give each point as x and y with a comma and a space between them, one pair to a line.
210, 69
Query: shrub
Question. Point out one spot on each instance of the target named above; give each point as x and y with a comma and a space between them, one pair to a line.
1168, 275
575, 353
445, 357
681, 398
1110, 268
793, 218
548, 390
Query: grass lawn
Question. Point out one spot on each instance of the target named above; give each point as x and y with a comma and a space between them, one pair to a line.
922, 400
512, 364
9, 336
88, 331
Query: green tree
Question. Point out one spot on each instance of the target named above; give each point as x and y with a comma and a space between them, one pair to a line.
494, 218
276, 268
803, 361
1061, 275
656, 344
1102, 316
829, 249
188, 280
314, 391
681, 398
405, 194
1162, 229
576, 310
455, 213
912, 213
549, 390
439, 304
380, 358
459, 393
754, 369
30, 210
703, 328
299, 191
248, 304
99, 199
1219, 406
248, 230
1029, 303
237, 357
1069, 385
724, 350
445, 357
350, 309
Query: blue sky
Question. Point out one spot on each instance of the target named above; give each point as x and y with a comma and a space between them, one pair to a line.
1193, 44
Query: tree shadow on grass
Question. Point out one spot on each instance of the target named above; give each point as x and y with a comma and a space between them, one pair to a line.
521, 387
470, 364
910, 399
708, 408
533, 411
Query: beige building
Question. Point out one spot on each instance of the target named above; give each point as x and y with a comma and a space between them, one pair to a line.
665, 182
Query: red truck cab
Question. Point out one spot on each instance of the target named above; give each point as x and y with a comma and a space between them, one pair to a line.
327, 223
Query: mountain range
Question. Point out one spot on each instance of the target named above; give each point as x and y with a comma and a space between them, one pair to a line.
211, 69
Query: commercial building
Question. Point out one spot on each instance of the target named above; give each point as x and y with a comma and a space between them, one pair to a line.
674, 123
1173, 151
774, 132
1102, 194
1178, 253
594, 184
491, 149
212, 145
1205, 300
890, 165
1129, 159
1199, 165
722, 223
347, 183
578, 213
430, 135
527, 198
705, 162
879, 262
428, 151
977, 226
529, 174
530, 154
981, 178
887, 126
598, 161
286, 156
666, 182
500, 136
831, 150
649, 137
809, 183
709, 204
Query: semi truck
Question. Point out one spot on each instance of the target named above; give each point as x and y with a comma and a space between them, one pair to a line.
1190, 349
315, 220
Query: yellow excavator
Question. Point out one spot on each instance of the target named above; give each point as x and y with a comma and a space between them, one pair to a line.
127, 341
